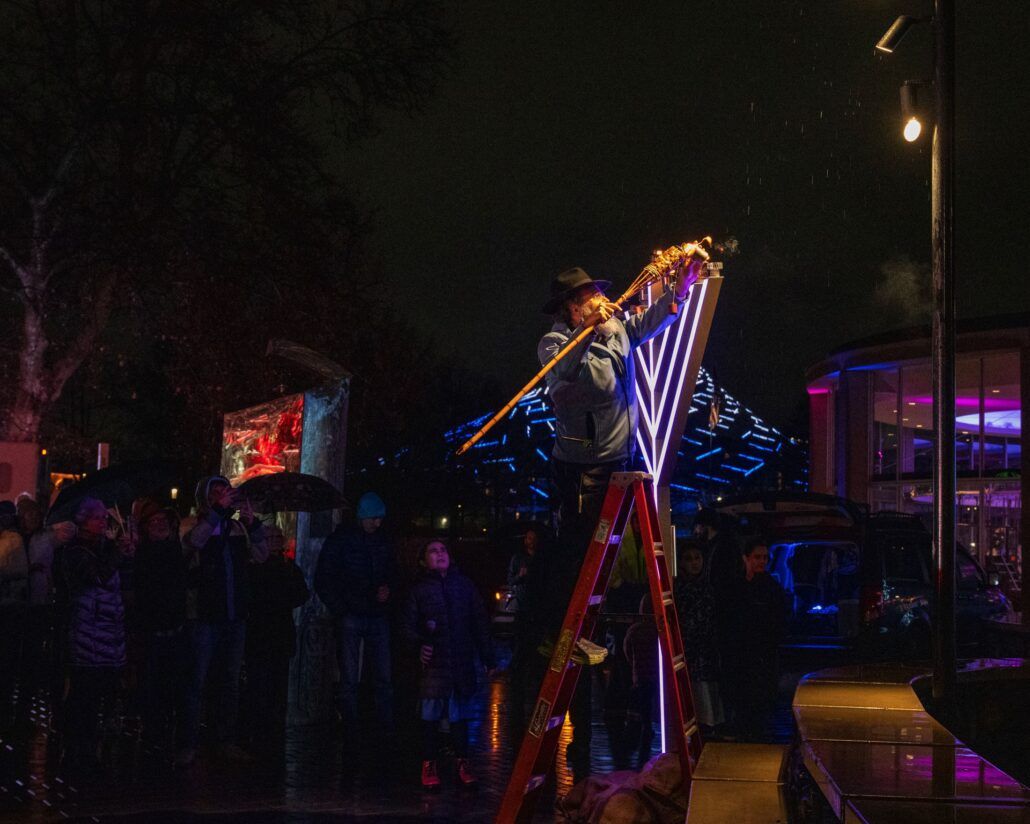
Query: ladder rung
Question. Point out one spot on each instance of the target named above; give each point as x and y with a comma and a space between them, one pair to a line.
667, 598
554, 721
615, 539
595, 600
690, 730
658, 545
535, 781
678, 662
659, 553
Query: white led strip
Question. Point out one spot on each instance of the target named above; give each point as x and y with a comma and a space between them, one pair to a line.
660, 367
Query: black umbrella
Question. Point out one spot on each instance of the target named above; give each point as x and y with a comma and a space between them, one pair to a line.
117, 486
290, 492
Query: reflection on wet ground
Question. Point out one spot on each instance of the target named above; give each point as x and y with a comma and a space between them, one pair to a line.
318, 778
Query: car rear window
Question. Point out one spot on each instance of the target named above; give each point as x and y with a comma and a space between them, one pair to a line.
829, 570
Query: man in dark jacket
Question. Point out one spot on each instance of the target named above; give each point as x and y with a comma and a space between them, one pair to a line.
222, 547
354, 578
762, 608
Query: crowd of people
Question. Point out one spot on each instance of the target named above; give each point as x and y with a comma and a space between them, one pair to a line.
178, 621
191, 608
175, 622
130, 616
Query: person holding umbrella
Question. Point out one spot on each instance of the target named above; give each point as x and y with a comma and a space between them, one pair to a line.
221, 546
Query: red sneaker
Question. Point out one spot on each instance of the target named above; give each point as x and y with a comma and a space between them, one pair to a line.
465, 774
430, 780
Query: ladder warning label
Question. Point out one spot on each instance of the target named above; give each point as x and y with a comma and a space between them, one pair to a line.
541, 713
562, 651
602, 531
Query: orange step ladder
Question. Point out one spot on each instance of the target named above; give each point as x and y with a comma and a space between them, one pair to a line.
626, 491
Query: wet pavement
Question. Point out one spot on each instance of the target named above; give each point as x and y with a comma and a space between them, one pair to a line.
318, 778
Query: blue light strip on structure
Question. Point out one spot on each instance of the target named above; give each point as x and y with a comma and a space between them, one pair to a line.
711, 478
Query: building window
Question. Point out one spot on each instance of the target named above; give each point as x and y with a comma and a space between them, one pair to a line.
967, 416
885, 424
916, 425
916, 436
1001, 415
1000, 550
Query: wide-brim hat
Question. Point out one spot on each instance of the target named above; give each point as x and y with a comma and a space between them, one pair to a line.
568, 282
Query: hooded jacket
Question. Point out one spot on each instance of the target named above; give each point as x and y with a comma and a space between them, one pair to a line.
224, 547
593, 388
447, 612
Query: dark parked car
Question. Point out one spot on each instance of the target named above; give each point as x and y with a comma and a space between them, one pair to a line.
859, 579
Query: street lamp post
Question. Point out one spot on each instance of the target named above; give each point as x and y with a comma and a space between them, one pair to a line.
942, 187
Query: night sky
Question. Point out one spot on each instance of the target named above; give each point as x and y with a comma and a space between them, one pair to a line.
589, 133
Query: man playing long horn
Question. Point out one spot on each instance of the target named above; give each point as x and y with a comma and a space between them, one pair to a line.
593, 393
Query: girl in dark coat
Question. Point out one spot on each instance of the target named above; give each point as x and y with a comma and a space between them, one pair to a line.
446, 617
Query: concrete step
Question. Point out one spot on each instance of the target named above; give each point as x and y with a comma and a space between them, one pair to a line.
739, 783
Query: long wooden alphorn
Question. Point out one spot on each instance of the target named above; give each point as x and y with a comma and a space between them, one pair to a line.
657, 269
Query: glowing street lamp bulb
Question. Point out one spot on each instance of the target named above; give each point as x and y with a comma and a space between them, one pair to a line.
913, 128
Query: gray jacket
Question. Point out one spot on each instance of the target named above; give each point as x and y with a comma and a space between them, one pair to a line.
593, 388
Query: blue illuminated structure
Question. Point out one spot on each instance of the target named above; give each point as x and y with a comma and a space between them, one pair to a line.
741, 452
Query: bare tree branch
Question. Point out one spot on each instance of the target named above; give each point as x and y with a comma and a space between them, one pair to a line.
81, 346
24, 275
